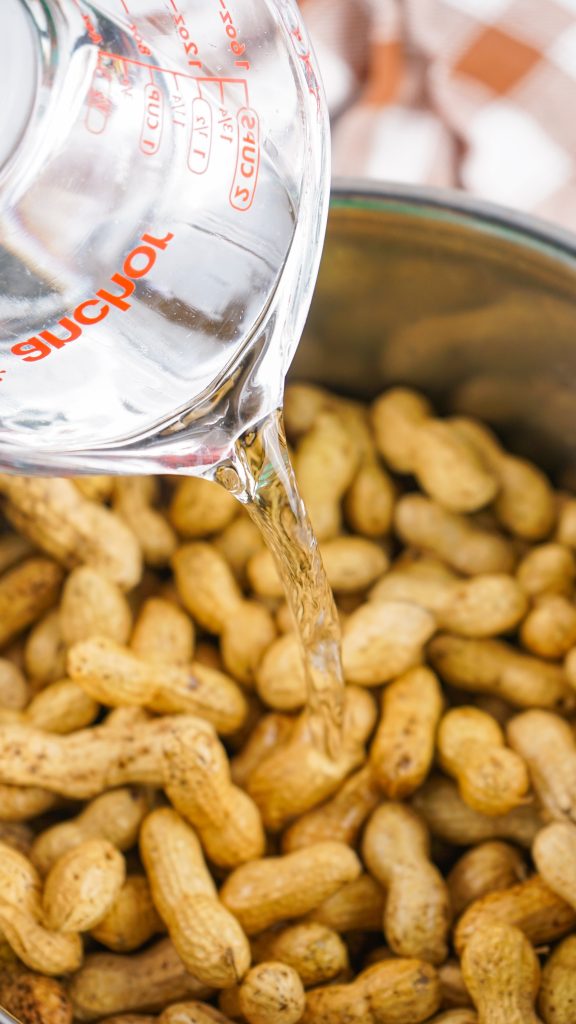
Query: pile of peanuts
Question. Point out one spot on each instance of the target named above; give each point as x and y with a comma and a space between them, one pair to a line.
174, 847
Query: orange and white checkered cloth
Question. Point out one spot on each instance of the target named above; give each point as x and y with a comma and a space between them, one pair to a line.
474, 94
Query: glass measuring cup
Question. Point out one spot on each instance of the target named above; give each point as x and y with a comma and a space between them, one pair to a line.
163, 197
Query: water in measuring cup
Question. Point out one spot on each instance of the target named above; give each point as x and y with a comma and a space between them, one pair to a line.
159, 230
161, 213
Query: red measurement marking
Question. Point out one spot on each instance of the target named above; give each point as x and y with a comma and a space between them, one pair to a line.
201, 140
209, 80
303, 52
138, 264
142, 47
226, 124
99, 102
201, 457
247, 160
237, 48
2, 374
153, 120
89, 25
188, 43
178, 109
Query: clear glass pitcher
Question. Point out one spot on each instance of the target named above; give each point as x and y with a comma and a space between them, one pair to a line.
163, 195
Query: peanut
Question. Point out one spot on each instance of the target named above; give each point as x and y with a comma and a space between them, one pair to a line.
54, 515
17, 835
413, 562
454, 991
396, 851
191, 1013
115, 676
200, 508
457, 540
570, 667
382, 640
229, 1004
455, 1017
403, 747
488, 867
557, 999
33, 999
263, 576
212, 596
463, 574
549, 630
13, 549
450, 470
264, 892
299, 776
27, 591
131, 920
494, 667
315, 952
269, 732
82, 886
271, 993
245, 639
87, 762
198, 785
61, 708
554, 854
452, 820
502, 973
206, 585
325, 464
45, 651
530, 906
566, 525
392, 992
357, 906
352, 564
92, 605
207, 653
134, 498
547, 744
97, 488
547, 569
236, 740
525, 501
115, 816
280, 678
19, 803
109, 983
207, 937
120, 718
491, 778
341, 818
163, 632
302, 403
446, 465
481, 607
21, 919
369, 501
14, 689
238, 542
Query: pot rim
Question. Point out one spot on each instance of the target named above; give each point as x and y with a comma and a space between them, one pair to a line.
457, 206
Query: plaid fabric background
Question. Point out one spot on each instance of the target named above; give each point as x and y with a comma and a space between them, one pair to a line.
476, 94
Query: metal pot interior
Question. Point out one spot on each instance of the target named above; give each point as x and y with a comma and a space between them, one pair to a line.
474, 305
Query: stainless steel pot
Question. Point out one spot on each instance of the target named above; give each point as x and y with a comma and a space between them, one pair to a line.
474, 304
